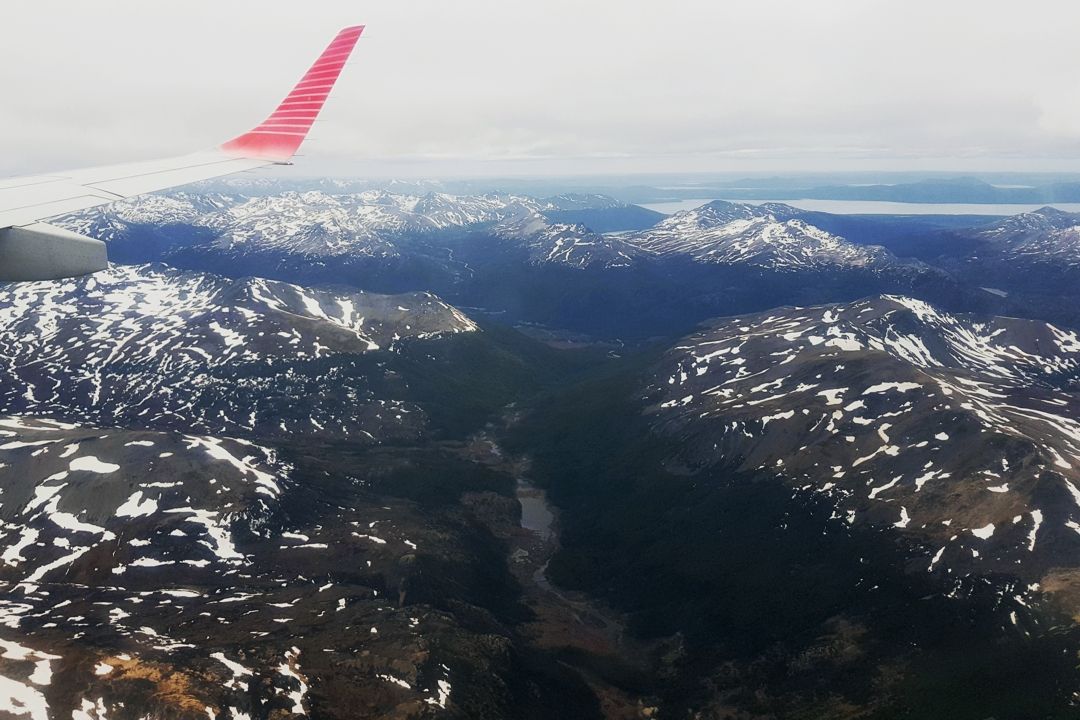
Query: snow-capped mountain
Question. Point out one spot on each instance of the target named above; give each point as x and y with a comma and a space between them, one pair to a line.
571, 245
1031, 260
581, 201
769, 236
181, 207
1047, 238
507, 254
151, 215
307, 223
249, 498
315, 224
75, 490
958, 432
185, 576
159, 347
1047, 219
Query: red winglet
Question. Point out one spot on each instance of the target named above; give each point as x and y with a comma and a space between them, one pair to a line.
279, 136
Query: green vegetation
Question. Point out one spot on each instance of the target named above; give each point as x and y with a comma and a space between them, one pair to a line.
466, 380
752, 583
755, 597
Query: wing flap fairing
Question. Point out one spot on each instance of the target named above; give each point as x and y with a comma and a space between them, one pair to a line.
45, 252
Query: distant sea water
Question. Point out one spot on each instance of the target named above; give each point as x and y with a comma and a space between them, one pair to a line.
874, 207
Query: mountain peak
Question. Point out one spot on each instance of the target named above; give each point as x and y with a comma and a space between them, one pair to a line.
582, 201
722, 212
1053, 212
1019, 227
767, 236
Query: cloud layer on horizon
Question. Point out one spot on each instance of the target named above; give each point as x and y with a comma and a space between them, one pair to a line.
458, 87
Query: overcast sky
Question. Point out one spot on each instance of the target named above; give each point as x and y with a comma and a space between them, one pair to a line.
465, 87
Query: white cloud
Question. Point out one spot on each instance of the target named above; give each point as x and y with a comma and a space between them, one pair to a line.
464, 86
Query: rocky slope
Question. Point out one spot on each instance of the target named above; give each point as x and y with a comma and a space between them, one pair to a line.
319, 226
958, 432
247, 498
1032, 260
158, 347
770, 236
149, 574
218, 498
1044, 244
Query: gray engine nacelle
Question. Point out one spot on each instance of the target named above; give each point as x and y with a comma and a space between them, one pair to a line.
44, 252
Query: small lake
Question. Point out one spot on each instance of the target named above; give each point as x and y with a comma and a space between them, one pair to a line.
875, 207
536, 514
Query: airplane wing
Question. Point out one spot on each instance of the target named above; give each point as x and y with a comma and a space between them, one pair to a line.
33, 250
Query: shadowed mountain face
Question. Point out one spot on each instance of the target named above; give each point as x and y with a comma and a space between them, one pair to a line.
956, 432
508, 256
859, 508
1030, 261
240, 513
376, 224
1045, 244
174, 575
1041, 240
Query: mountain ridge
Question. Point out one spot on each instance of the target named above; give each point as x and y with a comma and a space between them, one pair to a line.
955, 431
